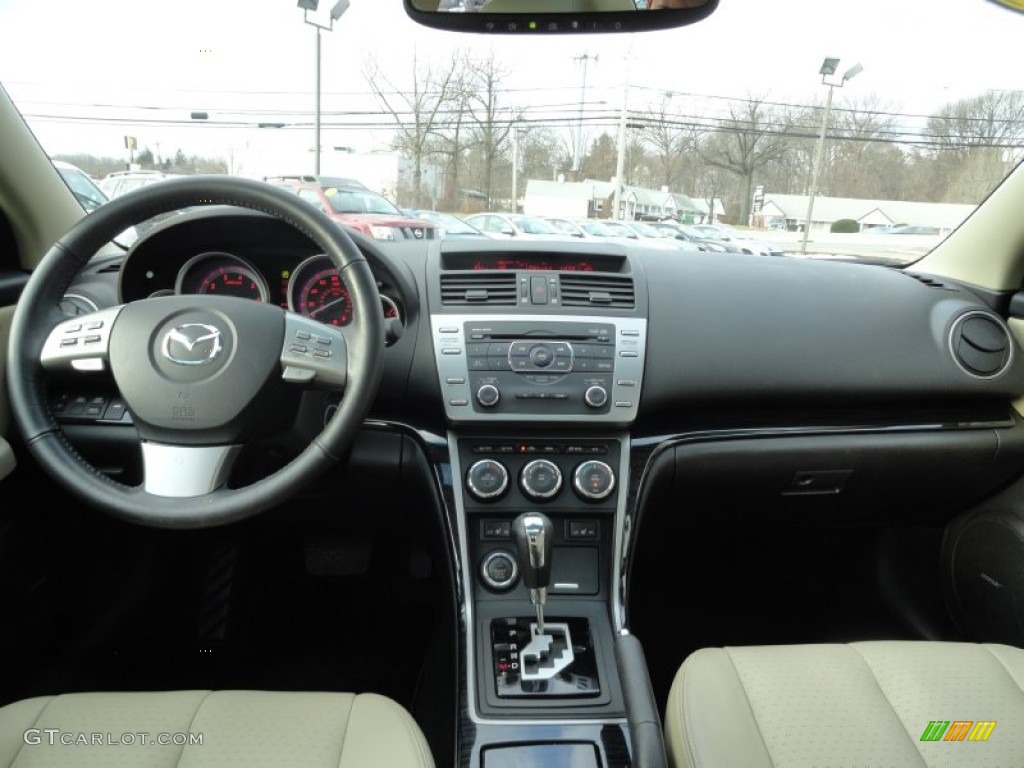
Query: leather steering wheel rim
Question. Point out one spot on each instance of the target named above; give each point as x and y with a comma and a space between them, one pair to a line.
37, 313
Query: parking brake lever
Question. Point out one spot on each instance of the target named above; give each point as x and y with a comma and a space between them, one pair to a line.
533, 535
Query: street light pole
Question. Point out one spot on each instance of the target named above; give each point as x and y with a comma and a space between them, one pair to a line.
339, 8
316, 145
515, 167
828, 68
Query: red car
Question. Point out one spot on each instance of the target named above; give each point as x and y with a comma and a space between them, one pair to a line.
355, 205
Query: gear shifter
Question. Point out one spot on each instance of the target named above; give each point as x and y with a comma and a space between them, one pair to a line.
532, 535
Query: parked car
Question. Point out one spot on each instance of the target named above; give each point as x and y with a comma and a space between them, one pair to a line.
683, 233
450, 226
571, 228
118, 183
349, 202
914, 229
506, 225
82, 185
600, 228
653, 237
286, 495
746, 243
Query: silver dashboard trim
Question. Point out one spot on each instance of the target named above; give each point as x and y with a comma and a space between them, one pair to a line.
468, 598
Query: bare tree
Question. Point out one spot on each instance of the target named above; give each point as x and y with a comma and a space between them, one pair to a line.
492, 122
750, 138
975, 142
417, 111
668, 144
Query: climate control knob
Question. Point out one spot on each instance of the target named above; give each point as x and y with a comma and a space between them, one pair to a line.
487, 480
488, 395
593, 480
595, 396
541, 479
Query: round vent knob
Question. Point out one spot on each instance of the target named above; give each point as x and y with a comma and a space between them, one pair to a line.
981, 345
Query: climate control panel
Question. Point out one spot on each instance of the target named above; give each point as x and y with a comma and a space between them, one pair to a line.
565, 474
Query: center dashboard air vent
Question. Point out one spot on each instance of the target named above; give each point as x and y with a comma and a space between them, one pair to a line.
479, 289
981, 344
590, 290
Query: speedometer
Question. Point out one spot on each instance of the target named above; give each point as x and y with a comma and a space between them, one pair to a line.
325, 297
316, 290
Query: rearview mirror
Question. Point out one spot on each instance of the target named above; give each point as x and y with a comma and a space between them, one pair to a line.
557, 16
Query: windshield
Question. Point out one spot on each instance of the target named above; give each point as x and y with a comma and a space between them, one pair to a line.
358, 201
618, 229
726, 121
533, 226
89, 195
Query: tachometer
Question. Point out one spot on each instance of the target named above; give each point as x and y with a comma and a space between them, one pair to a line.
221, 274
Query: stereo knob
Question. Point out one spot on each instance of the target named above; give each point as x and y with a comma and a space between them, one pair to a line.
541, 479
488, 395
595, 396
487, 480
593, 480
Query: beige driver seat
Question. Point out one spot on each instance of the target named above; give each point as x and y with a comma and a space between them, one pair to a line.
250, 729
863, 704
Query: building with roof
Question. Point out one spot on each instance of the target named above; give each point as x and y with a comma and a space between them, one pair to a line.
792, 210
593, 198
575, 200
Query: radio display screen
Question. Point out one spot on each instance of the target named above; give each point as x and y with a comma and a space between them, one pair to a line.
547, 262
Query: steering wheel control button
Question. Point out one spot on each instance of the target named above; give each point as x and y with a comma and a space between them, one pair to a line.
488, 395
499, 570
487, 480
313, 365
596, 396
81, 345
593, 480
541, 480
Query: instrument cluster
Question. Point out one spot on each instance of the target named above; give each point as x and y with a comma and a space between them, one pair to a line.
309, 286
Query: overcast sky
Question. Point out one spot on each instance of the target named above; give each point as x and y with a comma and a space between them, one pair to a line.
131, 58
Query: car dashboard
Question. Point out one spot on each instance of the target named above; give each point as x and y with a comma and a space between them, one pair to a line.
618, 390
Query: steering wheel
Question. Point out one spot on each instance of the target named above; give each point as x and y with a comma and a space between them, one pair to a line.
198, 373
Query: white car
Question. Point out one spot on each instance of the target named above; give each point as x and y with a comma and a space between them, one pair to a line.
743, 241
509, 225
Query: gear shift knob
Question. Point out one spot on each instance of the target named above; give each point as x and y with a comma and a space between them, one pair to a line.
533, 537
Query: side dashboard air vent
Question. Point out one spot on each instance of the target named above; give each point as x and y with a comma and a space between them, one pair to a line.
479, 289
589, 290
932, 282
981, 344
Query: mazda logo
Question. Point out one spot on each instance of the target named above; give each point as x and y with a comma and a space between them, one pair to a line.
193, 344
417, 233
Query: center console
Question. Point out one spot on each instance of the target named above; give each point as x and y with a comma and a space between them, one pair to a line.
540, 358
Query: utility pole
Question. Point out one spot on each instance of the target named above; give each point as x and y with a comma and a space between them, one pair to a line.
620, 157
578, 163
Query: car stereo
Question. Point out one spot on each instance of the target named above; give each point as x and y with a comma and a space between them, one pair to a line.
502, 368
